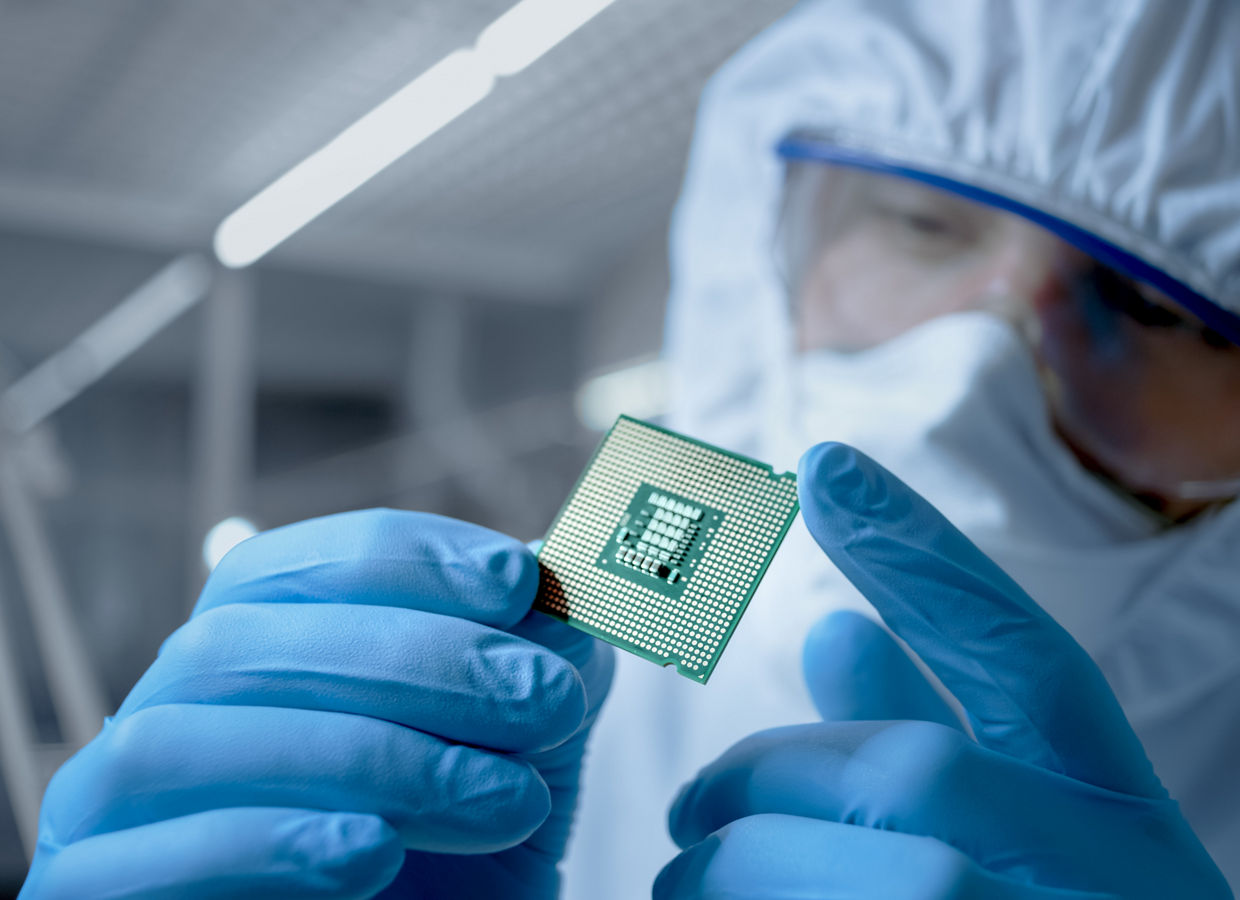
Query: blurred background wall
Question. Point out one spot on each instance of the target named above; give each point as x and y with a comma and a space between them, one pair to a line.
431, 342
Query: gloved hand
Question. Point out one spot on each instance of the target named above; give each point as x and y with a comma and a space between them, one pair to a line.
1054, 799
356, 699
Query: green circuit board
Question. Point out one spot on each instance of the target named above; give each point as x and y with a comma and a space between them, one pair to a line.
661, 544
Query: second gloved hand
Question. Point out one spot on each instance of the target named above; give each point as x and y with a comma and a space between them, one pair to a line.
358, 702
1055, 798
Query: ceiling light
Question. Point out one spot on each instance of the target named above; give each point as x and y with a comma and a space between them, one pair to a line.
530, 29
360, 152
393, 128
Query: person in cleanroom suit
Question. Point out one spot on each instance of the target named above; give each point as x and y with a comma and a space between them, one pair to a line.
992, 244
814, 255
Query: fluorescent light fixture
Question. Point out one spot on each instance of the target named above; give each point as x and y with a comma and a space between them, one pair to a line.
638, 390
223, 536
361, 151
530, 29
436, 97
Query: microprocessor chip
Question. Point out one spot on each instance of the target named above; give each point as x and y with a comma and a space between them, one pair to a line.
662, 543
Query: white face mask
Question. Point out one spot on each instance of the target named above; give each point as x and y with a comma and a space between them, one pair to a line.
953, 374
955, 409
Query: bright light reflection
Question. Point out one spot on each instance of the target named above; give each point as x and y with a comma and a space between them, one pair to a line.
223, 536
638, 390
393, 128
531, 28
361, 151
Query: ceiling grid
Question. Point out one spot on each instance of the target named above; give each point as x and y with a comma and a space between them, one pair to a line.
148, 123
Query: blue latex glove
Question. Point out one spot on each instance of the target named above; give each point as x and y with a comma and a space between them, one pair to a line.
358, 702
1054, 799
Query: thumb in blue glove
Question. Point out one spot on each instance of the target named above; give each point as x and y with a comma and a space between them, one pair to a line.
1054, 799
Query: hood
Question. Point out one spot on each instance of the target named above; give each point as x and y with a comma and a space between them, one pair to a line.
1117, 123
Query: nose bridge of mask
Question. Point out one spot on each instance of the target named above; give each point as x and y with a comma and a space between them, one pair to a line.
896, 392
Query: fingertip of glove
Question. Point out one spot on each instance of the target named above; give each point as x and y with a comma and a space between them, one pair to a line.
490, 802
599, 672
551, 695
495, 574
833, 476
355, 853
511, 568
687, 869
680, 828
357, 837
593, 660
518, 566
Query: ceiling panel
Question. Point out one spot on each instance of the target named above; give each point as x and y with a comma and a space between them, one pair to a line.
148, 122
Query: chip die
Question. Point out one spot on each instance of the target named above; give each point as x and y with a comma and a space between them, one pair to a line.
662, 543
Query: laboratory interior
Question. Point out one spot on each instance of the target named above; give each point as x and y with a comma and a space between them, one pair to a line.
269, 261
452, 335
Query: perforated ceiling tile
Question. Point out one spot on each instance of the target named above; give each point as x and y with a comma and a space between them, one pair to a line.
197, 104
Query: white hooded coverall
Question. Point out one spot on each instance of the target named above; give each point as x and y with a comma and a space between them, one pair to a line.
1117, 118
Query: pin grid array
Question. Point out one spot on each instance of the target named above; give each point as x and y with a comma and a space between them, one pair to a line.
689, 630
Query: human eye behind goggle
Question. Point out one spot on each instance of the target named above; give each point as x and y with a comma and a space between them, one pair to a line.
1149, 307
923, 217
924, 223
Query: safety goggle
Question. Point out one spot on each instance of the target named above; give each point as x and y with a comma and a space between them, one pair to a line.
1140, 387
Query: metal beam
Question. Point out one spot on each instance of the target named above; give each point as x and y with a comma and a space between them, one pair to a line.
19, 763
72, 679
121, 331
223, 407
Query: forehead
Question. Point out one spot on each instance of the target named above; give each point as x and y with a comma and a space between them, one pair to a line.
819, 196
830, 182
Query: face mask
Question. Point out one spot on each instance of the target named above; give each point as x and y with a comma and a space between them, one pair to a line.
954, 408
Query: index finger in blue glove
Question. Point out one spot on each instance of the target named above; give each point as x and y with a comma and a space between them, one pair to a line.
439, 674
855, 671
382, 557
1029, 689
